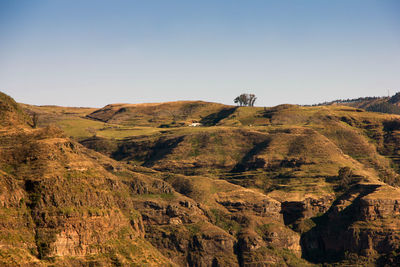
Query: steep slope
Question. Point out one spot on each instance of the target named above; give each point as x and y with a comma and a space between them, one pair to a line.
11, 114
240, 226
89, 222
361, 226
59, 205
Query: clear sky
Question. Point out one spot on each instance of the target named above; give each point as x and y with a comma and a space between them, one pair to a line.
94, 52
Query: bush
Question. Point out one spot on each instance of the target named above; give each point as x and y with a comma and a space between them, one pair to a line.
384, 107
182, 185
345, 176
392, 125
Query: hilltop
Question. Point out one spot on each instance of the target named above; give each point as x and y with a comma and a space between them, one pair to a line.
157, 114
286, 185
11, 114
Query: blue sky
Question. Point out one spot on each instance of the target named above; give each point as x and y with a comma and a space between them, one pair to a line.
93, 52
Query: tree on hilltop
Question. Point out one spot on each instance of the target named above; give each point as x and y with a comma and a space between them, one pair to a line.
35, 119
252, 99
245, 100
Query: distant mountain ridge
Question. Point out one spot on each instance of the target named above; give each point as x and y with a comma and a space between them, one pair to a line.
390, 105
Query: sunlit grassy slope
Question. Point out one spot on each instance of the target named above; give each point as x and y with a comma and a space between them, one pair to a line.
289, 151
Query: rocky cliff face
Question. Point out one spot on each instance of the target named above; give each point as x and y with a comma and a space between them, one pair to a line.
360, 226
58, 204
217, 232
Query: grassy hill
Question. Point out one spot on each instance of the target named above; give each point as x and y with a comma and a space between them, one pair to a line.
263, 185
157, 114
74, 206
11, 114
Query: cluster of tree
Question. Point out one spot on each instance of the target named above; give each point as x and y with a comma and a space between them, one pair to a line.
35, 120
395, 99
384, 107
182, 185
390, 177
246, 100
355, 100
391, 125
